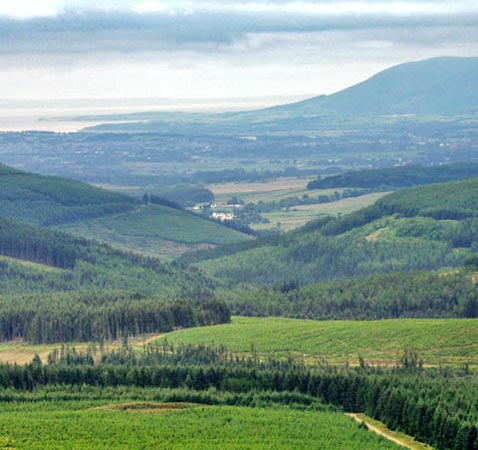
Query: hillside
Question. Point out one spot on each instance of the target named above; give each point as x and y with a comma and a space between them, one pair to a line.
446, 85
397, 177
45, 200
422, 294
418, 228
434, 87
451, 341
156, 230
117, 219
42, 260
57, 288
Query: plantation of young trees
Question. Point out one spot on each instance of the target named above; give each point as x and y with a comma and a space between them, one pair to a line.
436, 406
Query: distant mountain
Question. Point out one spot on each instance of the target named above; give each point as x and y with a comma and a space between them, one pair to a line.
434, 87
445, 85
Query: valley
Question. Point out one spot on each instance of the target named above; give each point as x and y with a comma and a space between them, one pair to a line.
293, 277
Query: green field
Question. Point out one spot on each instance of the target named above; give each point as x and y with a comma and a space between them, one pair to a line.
438, 341
299, 215
287, 188
156, 230
274, 190
145, 426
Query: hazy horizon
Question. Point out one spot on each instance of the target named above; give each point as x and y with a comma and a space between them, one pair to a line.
52, 114
63, 49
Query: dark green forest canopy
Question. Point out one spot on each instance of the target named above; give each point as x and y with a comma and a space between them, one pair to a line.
46, 200
378, 296
397, 177
436, 406
101, 315
419, 228
84, 265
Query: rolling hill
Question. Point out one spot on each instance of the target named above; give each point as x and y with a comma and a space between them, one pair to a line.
57, 288
156, 230
46, 200
397, 177
37, 259
419, 228
450, 341
120, 220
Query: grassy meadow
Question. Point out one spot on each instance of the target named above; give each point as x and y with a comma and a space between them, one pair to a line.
284, 188
299, 215
274, 190
145, 426
437, 341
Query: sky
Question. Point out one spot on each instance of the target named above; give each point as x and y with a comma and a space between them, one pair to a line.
201, 49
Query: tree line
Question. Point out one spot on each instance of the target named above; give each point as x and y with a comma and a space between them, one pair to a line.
100, 316
436, 406
394, 177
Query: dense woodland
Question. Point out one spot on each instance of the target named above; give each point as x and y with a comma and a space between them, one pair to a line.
397, 177
419, 228
436, 406
312, 256
46, 201
57, 288
99, 316
378, 296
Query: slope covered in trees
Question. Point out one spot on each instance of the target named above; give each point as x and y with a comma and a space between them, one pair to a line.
93, 292
397, 177
45, 200
85, 265
418, 228
117, 219
377, 296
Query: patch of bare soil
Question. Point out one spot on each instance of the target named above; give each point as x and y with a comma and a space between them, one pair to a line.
146, 407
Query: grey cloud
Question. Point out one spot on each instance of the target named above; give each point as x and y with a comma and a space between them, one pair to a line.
101, 32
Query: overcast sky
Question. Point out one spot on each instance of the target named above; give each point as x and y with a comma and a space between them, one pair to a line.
206, 49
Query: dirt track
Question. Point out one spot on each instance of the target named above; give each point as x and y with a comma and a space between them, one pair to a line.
380, 432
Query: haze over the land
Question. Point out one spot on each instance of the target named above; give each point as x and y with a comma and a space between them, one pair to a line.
77, 49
